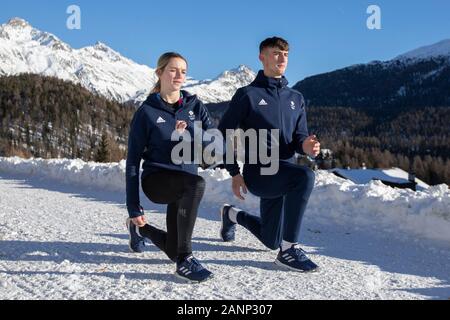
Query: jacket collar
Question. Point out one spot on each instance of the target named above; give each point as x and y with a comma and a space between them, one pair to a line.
155, 100
266, 82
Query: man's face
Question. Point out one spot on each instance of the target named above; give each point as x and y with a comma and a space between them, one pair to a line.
275, 61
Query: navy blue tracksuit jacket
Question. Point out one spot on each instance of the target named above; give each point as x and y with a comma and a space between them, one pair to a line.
268, 103
150, 139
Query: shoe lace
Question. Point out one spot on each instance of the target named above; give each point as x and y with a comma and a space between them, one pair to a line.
194, 264
300, 253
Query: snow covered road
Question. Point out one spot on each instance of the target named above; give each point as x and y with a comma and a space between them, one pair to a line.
69, 242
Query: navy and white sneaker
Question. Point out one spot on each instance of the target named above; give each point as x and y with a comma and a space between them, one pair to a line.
228, 228
136, 241
192, 271
295, 259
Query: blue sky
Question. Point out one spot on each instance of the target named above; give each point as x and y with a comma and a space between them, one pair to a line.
218, 35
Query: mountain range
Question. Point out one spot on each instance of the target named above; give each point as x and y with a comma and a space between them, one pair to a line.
417, 78
98, 68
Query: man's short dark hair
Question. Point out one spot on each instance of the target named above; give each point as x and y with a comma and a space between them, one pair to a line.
274, 42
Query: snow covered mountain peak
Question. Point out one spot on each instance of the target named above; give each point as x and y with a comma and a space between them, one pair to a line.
16, 29
18, 23
102, 52
439, 49
224, 86
242, 69
98, 68
100, 46
20, 31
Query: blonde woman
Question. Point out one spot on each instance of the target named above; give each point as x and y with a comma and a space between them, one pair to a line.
168, 108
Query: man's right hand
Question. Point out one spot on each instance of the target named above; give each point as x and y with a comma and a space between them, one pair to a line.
139, 221
238, 183
180, 126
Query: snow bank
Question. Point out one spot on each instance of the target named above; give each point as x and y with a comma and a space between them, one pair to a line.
110, 176
423, 213
334, 200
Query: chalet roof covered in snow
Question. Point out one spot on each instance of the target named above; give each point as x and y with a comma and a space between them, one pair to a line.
364, 176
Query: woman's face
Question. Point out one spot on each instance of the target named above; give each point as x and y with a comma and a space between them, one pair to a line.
174, 75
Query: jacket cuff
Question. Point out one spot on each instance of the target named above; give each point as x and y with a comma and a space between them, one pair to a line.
300, 148
134, 212
234, 172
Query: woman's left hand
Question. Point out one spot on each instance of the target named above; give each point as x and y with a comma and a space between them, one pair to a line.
139, 221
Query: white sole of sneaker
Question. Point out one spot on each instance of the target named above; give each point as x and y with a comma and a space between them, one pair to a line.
280, 264
221, 225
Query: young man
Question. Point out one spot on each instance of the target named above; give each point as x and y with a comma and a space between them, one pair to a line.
268, 103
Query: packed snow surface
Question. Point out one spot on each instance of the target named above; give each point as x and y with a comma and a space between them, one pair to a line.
63, 236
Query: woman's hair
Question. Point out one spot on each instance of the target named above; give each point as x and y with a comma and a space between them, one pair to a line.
163, 61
